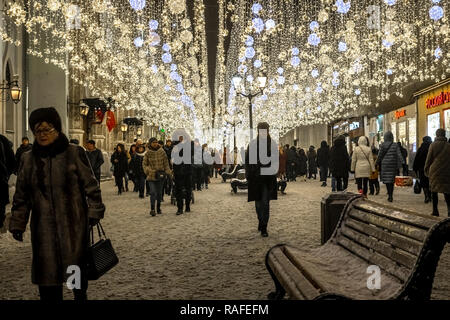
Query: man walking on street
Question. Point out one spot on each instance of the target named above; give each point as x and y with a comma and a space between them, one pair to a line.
95, 157
24, 147
261, 167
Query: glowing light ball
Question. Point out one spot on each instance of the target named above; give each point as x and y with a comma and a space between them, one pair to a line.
154, 68
357, 92
438, 53
258, 24
315, 73
270, 24
436, 13
257, 63
280, 70
313, 39
256, 8
166, 57
295, 51
153, 25
390, 2
138, 42
281, 80
342, 46
389, 72
154, 39
249, 42
166, 47
249, 52
295, 61
342, 7
313, 25
137, 4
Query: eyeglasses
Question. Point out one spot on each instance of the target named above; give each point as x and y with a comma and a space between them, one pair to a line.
45, 132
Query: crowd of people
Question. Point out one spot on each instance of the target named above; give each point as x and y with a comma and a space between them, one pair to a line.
370, 165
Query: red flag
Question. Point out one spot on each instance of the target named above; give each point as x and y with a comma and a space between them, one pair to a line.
110, 120
99, 116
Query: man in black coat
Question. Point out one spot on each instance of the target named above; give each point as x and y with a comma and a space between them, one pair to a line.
323, 161
95, 157
167, 187
24, 147
262, 175
419, 167
404, 156
7, 167
182, 158
292, 163
340, 163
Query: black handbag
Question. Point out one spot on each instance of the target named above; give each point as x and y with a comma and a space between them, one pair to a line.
101, 256
417, 187
160, 175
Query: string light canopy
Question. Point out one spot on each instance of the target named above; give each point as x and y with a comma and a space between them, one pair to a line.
148, 55
329, 59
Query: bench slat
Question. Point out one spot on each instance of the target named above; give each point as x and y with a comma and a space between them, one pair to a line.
406, 260
403, 229
375, 258
403, 217
299, 286
406, 244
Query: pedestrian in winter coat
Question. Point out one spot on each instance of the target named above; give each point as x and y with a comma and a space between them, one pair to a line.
419, 167
182, 169
95, 157
282, 163
404, 153
339, 163
390, 161
24, 147
302, 164
362, 164
119, 159
323, 161
7, 167
155, 161
437, 169
138, 171
312, 163
262, 187
57, 187
292, 164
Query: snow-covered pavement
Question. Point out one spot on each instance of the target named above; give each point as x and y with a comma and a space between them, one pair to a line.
213, 252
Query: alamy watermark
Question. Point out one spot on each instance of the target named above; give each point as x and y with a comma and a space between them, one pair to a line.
374, 280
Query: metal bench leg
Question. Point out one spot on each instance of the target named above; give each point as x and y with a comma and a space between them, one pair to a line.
279, 292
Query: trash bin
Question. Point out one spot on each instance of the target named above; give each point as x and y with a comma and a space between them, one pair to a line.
331, 209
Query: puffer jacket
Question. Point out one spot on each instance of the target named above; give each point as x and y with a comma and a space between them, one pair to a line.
390, 158
362, 160
437, 165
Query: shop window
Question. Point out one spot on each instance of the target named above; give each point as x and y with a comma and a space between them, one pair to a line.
433, 123
402, 133
447, 123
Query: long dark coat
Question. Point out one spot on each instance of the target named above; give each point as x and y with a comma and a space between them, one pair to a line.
253, 172
419, 164
323, 155
302, 163
390, 158
7, 167
437, 165
121, 167
60, 197
312, 160
339, 159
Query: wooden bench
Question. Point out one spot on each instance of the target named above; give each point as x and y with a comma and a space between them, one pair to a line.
406, 247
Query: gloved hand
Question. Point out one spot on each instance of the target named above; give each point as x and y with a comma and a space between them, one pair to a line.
93, 221
18, 235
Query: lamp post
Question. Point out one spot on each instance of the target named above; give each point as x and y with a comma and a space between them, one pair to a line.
124, 129
238, 86
233, 123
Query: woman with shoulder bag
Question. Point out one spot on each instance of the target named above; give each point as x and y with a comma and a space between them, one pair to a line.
362, 164
155, 164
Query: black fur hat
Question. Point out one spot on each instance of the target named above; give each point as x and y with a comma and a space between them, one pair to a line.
49, 115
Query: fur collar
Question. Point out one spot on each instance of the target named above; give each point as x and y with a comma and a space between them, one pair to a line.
59, 146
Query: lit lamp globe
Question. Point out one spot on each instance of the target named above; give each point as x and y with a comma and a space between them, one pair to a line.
84, 109
262, 80
124, 127
237, 82
16, 94
139, 131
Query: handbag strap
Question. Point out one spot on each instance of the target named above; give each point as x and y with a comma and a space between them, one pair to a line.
99, 230
367, 158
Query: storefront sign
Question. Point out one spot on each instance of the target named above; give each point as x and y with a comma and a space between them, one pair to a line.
442, 98
354, 125
400, 113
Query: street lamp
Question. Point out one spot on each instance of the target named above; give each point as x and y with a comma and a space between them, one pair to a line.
124, 129
233, 123
239, 87
15, 93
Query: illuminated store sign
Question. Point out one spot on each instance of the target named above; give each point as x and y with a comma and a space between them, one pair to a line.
442, 98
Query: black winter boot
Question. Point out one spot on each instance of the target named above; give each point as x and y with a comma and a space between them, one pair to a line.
180, 207
264, 231
158, 208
